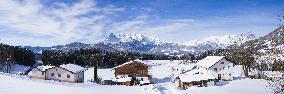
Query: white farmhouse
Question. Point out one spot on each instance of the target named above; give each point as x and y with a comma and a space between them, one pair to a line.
220, 65
65, 73
39, 72
198, 76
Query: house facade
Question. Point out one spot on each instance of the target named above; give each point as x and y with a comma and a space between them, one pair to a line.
196, 77
65, 73
136, 70
218, 64
132, 68
208, 71
39, 72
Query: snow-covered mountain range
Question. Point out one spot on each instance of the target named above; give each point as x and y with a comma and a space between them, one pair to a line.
202, 45
218, 41
269, 47
138, 43
130, 37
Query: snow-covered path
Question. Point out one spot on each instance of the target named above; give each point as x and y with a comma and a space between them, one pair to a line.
162, 75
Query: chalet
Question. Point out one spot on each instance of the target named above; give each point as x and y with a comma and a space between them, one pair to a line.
136, 70
39, 72
181, 68
219, 64
208, 71
65, 73
196, 77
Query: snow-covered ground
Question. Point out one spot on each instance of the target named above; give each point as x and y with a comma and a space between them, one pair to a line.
245, 86
17, 69
161, 70
23, 85
166, 85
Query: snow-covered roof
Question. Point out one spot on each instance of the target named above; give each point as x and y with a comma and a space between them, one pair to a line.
106, 74
197, 75
44, 67
185, 66
137, 60
72, 67
209, 61
122, 79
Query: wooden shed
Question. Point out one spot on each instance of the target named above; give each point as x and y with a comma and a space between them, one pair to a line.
132, 68
136, 70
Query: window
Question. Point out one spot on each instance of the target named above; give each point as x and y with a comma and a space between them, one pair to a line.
42, 73
215, 69
134, 65
222, 62
52, 74
68, 76
142, 72
59, 75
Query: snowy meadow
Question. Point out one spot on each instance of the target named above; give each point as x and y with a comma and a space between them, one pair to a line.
161, 70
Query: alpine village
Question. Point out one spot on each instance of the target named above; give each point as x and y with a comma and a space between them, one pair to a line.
125, 68
141, 47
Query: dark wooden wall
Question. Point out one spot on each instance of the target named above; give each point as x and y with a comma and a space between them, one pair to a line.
133, 68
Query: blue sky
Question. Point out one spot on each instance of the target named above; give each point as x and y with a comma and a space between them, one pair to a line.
52, 22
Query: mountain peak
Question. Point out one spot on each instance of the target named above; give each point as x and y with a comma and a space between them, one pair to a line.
111, 38
220, 41
129, 37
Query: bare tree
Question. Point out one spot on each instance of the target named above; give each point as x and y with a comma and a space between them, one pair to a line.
6, 59
277, 85
244, 52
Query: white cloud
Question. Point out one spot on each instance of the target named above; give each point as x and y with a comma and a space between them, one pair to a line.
29, 22
83, 21
62, 22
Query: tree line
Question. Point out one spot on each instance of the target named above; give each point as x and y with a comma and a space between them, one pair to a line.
11, 55
96, 57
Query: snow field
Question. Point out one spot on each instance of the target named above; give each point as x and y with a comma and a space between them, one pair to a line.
161, 71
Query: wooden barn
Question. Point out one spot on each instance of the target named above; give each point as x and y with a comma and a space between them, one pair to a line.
136, 70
